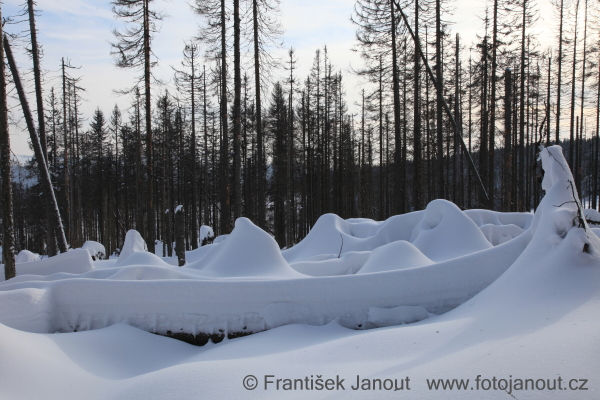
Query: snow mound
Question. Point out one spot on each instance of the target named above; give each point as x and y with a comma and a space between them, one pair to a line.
96, 250
220, 238
133, 243
26, 256
332, 235
382, 317
441, 232
560, 216
76, 261
592, 216
488, 217
151, 273
330, 265
142, 258
394, 256
248, 252
498, 234
445, 232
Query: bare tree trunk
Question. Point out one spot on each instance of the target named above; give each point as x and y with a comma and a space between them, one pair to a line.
399, 182
207, 220
560, 59
8, 235
521, 172
35, 141
483, 149
180, 235
41, 121
492, 133
597, 150
439, 103
67, 172
259, 133
225, 189
151, 217
574, 72
548, 96
237, 120
193, 150
582, 99
508, 157
417, 119
381, 193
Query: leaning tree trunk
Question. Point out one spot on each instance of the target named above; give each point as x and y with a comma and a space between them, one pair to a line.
8, 237
37, 148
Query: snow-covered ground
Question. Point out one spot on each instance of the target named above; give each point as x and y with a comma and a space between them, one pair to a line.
508, 301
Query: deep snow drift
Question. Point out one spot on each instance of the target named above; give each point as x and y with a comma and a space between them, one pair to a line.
523, 292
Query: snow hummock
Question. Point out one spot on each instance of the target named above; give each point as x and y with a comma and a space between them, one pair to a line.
331, 265
248, 252
445, 232
133, 243
26, 256
96, 250
77, 261
394, 256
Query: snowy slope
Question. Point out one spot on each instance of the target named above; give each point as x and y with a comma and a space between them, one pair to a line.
537, 320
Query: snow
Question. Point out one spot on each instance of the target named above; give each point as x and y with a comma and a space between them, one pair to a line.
96, 250
206, 232
179, 208
395, 256
76, 261
133, 243
248, 252
525, 308
445, 232
330, 265
220, 238
382, 317
26, 256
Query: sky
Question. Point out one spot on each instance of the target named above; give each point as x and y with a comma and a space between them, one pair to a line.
81, 31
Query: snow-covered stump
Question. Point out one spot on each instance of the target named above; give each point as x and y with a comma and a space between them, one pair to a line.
207, 236
96, 250
180, 235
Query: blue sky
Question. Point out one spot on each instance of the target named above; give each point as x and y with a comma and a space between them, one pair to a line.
81, 30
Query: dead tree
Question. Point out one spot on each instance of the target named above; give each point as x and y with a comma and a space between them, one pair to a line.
8, 235
132, 50
180, 235
39, 155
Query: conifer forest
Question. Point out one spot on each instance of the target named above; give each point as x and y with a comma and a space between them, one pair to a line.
437, 118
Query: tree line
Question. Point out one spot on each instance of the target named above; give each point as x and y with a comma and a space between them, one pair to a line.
435, 119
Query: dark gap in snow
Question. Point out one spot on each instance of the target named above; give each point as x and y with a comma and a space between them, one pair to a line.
202, 339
